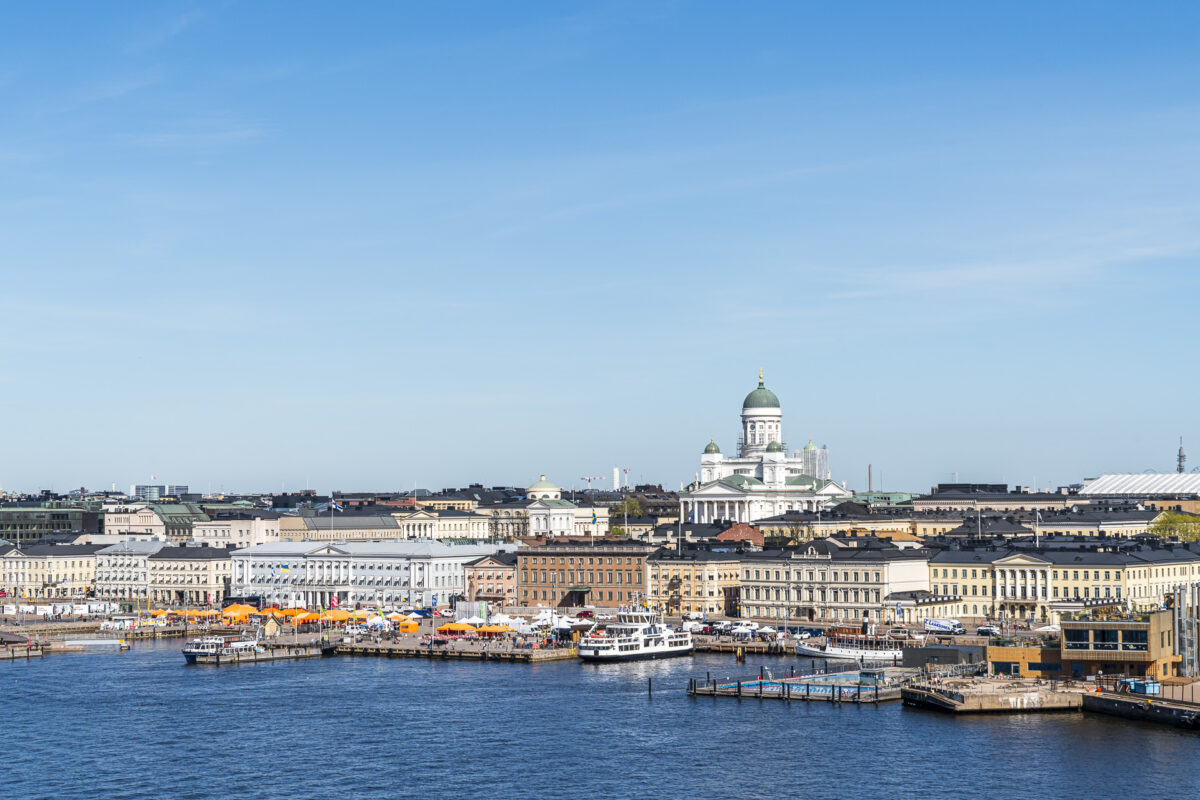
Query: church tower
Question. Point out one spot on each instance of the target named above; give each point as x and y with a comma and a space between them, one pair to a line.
762, 421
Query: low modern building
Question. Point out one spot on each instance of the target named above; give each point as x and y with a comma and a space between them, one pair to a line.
25, 525
367, 573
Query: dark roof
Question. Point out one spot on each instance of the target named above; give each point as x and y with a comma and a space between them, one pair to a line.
174, 553
55, 549
506, 558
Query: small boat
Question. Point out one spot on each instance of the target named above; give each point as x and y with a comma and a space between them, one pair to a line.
221, 649
96, 644
636, 635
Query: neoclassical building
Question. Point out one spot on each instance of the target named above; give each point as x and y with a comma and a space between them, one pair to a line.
763, 480
550, 515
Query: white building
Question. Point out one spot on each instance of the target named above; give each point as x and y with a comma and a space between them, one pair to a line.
237, 529
550, 515
123, 571
386, 573
763, 480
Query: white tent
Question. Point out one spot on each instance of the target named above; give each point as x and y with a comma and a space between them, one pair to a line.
1049, 629
741, 631
473, 620
767, 629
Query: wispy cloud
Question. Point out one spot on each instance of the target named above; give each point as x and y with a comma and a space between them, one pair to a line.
198, 137
161, 32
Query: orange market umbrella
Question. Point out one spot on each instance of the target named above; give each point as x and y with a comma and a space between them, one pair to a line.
495, 629
336, 615
292, 612
456, 627
158, 612
239, 610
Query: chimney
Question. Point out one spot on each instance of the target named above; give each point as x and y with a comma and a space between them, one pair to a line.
870, 480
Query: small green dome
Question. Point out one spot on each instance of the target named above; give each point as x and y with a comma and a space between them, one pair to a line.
810, 445
774, 447
711, 448
542, 484
761, 397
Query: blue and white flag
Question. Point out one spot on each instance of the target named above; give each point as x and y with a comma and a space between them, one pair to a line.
335, 504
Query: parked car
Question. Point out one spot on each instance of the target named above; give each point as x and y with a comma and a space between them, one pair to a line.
708, 630
585, 614
802, 634
988, 630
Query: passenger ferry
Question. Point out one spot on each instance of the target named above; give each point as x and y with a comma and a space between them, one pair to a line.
846, 644
635, 635
218, 649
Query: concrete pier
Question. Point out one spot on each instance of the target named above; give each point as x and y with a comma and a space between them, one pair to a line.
990, 696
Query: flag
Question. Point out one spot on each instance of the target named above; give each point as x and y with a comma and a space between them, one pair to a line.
593, 516
285, 569
1039, 515
335, 504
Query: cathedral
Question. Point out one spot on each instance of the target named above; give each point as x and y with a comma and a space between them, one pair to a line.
764, 479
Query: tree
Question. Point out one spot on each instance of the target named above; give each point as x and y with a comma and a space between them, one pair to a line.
629, 505
1176, 525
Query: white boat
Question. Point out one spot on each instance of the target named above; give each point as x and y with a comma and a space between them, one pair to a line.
853, 647
218, 649
635, 635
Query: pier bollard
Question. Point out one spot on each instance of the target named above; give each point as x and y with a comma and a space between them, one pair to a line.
739, 690
650, 687
807, 690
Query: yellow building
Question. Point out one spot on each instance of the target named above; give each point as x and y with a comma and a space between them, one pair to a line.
697, 581
1032, 584
37, 571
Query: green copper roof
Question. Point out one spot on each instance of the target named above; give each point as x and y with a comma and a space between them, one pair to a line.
711, 447
542, 483
761, 397
774, 447
810, 445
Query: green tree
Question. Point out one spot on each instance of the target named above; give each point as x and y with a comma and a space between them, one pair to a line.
629, 505
1176, 525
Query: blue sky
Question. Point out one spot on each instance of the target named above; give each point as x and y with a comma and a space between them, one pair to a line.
250, 245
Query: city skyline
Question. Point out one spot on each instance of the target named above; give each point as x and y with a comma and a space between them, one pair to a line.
390, 247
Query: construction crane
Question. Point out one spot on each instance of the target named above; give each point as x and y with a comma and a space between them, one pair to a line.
590, 479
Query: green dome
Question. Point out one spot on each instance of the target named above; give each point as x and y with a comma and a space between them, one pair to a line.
542, 484
761, 397
810, 445
774, 447
711, 447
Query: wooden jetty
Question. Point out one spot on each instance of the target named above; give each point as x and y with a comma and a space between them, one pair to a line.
990, 696
13, 652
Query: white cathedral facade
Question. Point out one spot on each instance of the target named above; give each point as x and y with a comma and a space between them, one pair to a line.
763, 480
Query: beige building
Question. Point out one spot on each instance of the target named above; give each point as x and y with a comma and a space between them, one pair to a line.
833, 581
696, 581
142, 520
237, 529
189, 575
48, 570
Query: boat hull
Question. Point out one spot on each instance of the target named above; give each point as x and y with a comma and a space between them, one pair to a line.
849, 653
602, 656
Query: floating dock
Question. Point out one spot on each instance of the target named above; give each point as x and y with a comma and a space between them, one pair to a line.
858, 687
15, 652
416, 650
1177, 713
275, 652
990, 696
